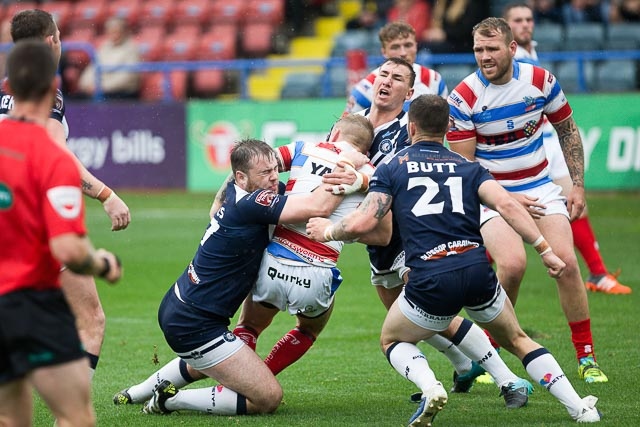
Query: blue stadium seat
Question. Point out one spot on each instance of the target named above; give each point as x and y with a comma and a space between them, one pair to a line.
584, 36
549, 37
454, 73
338, 77
569, 78
302, 85
616, 76
623, 36
351, 39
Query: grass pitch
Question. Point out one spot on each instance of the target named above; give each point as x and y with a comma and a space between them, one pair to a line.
344, 379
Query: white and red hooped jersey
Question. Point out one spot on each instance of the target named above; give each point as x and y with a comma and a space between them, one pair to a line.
506, 122
307, 162
427, 82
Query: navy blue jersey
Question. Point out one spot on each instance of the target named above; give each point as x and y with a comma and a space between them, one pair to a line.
225, 266
435, 199
389, 138
57, 112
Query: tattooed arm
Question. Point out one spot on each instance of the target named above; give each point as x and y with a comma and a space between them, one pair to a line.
571, 144
358, 223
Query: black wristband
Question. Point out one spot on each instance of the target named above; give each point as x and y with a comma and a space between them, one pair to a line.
106, 269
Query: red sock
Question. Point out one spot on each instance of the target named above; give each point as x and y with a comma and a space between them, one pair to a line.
288, 350
493, 342
585, 240
248, 335
581, 338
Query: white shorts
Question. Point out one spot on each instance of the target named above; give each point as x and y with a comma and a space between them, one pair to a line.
215, 351
557, 165
393, 278
482, 314
300, 289
548, 194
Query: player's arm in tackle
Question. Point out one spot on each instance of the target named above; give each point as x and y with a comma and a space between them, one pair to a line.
571, 144
496, 197
79, 256
358, 223
113, 205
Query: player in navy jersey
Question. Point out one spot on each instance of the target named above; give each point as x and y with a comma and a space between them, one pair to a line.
80, 290
520, 19
496, 118
195, 313
436, 196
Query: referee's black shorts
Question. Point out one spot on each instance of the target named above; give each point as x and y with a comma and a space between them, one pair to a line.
37, 329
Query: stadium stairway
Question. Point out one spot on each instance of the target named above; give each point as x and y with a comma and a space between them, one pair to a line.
268, 85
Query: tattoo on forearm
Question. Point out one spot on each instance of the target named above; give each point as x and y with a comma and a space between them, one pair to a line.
83, 267
571, 145
86, 186
384, 204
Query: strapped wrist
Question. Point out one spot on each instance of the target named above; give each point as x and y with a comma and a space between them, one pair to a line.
104, 194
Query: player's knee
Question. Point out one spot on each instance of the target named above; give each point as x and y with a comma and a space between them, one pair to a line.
269, 400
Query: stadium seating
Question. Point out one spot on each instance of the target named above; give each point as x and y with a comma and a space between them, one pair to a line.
454, 73
616, 76
89, 13
256, 39
180, 45
12, 8
227, 11
569, 77
61, 12
149, 42
270, 11
153, 85
584, 36
338, 77
302, 85
350, 39
624, 36
193, 12
219, 43
549, 37
125, 9
157, 12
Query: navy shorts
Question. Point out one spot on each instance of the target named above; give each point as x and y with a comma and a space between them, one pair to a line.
37, 329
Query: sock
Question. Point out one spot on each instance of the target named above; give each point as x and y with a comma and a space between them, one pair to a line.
248, 335
217, 400
291, 347
544, 370
408, 361
585, 240
582, 339
460, 362
93, 363
473, 342
174, 371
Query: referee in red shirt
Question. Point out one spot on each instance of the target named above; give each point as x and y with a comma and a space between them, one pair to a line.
41, 228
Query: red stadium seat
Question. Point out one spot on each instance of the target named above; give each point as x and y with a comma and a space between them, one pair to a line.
61, 12
271, 11
126, 9
193, 12
179, 46
257, 39
13, 8
218, 43
149, 40
89, 13
152, 86
227, 11
156, 12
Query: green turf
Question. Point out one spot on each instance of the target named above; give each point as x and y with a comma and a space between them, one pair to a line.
344, 379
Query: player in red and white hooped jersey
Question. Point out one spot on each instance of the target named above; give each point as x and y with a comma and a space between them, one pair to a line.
520, 19
495, 117
298, 274
398, 39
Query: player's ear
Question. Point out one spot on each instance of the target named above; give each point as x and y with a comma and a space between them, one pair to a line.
241, 179
6, 87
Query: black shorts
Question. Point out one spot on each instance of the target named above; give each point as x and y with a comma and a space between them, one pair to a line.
37, 329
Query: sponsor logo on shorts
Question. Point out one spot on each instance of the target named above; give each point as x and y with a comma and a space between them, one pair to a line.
193, 276
275, 274
195, 355
228, 336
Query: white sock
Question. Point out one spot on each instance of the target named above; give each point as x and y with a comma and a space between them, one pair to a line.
217, 400
460, 362
408, 361
174, 371
476, 345
544, 369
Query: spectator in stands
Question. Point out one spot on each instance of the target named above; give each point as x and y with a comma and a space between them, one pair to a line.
118, 49
546, 11
416, 13
373, 15
580, 11
625, 11
451, 24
